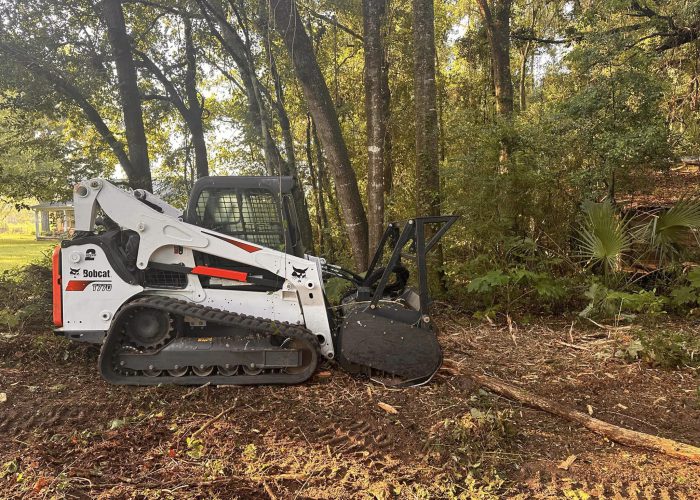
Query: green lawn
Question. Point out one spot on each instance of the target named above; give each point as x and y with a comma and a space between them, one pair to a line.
19, 249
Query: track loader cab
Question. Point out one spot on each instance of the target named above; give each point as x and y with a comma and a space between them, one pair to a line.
256, 209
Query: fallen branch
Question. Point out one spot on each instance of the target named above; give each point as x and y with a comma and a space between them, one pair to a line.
612, 432
573, 346
187, 395
213, 419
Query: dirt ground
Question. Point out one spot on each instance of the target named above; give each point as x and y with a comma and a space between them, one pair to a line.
66, 433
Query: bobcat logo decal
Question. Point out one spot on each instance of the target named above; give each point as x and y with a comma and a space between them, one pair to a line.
299, 274
74, 272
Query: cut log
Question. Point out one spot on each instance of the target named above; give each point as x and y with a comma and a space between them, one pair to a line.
612, 432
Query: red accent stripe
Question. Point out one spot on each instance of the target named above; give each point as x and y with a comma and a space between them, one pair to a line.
56, 287
240, 244
245, 246
220, 273
77, 285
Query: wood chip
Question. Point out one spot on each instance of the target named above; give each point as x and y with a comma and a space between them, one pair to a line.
567, 463
388, 408
324, 374
3, 397
590, 409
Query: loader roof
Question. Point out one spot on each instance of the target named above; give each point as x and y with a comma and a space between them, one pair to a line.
272, 183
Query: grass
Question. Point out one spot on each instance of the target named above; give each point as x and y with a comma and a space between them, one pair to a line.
20, 249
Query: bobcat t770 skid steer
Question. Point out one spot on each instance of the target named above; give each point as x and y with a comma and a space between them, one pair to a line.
223, 293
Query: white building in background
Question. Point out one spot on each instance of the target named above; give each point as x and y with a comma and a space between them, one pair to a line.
53, 220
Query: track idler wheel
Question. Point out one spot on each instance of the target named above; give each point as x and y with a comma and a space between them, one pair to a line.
148, 328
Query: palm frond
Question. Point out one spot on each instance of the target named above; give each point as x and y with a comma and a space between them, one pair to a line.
604, 238
665, 232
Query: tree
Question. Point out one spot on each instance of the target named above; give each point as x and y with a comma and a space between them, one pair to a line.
188, 102
376, 78
58, 48
129, 92
427, 133
496, 16
425, 95
288, 24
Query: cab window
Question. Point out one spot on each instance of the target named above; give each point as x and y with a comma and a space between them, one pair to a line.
249, 214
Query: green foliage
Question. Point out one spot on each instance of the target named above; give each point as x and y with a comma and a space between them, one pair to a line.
36, 157
664, 348
9, 468
480, 430
510, 287
688, 294
666, 232
25, 297
335, 289
607, 303
604, 238
195, 448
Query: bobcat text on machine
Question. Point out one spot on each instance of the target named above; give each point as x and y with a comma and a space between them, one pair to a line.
223, 293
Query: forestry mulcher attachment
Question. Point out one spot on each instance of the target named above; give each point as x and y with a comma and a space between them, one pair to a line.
223, 293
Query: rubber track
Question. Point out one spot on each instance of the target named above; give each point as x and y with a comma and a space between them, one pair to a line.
178, 307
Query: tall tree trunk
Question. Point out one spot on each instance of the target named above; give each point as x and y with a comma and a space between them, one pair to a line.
425, 92
326, 187
194, 106
374, 19
288, 24
497, 21
129, 93
427, 161
278, 103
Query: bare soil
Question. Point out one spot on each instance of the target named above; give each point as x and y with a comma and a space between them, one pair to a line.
66, 433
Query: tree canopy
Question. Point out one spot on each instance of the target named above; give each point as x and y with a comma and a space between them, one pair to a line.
532, 107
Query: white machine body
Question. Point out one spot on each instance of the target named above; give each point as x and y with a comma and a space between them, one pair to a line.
92, 289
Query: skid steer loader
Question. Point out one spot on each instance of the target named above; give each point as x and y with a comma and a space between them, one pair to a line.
223, 293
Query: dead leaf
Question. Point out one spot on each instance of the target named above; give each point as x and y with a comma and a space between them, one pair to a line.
567, 463
3, 397
40, 484
388, 408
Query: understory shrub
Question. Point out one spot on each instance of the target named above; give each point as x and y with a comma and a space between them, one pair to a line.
665, 348
607, 303
25, 296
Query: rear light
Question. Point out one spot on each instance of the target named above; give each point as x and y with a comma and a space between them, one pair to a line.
56, 287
